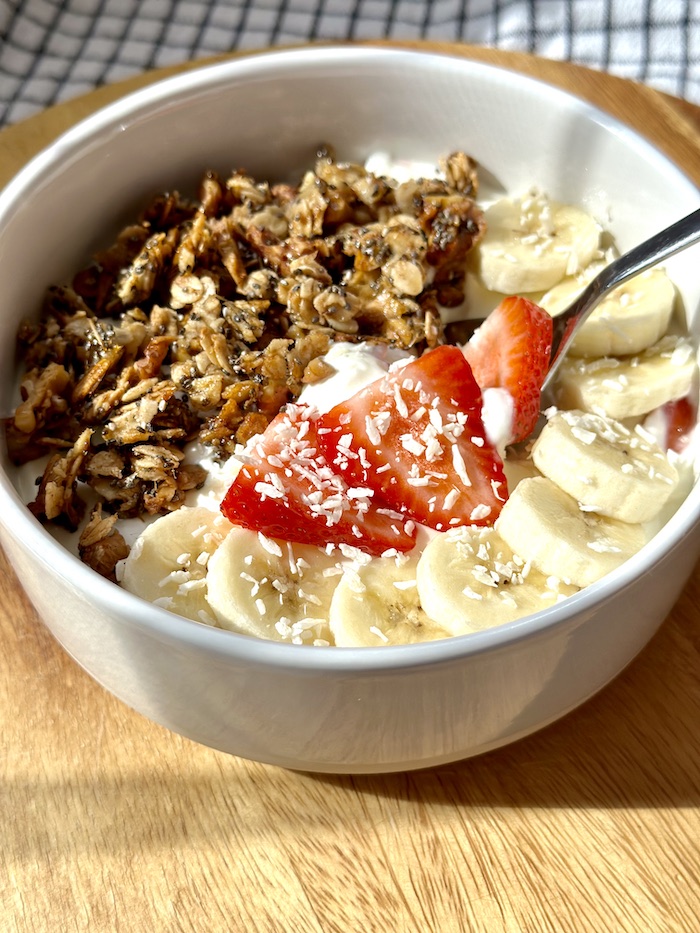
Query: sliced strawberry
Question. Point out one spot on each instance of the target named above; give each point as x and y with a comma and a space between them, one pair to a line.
416, 437
287, 491
511, 350
679, 417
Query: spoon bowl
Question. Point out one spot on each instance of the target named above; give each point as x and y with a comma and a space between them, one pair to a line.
651, 252
662, 245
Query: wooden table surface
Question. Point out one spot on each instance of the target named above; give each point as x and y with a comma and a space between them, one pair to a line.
109, 822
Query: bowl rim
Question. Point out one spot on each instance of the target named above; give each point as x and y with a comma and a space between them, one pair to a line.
142, 102
18, 522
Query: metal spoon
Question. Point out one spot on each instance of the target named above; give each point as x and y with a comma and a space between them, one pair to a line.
673, 239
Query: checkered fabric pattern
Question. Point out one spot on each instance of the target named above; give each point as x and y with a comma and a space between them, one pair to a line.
51, 51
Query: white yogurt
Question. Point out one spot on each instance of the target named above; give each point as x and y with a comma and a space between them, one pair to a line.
401, 170
497, 415
220, 476
356, 365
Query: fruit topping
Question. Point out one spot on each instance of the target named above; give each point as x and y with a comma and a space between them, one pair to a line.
410, 447
416, 437
511, 350
286, 489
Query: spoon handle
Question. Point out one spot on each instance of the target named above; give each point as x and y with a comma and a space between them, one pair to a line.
673, 239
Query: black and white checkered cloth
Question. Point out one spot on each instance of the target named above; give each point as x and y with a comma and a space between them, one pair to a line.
51, 51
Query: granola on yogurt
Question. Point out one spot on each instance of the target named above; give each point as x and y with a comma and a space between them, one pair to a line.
209, 313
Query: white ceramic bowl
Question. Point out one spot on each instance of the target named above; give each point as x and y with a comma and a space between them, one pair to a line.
335, 710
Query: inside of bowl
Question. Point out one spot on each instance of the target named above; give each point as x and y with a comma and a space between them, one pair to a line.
269, 115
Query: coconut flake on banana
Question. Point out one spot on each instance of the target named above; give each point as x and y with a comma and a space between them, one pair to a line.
470, 579
629, 386
377, 603
272, 589
531, 243
631, 318
561, 539
167, 564
606, 467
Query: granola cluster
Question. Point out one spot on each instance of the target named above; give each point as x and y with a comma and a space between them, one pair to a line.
207, 315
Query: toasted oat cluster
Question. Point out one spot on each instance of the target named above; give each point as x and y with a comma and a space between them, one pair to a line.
208, 314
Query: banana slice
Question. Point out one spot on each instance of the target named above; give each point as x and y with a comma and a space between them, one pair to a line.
531, 243
630, 319
167, 564
272, 589
541, 520
469, 579
606, 467
377, 603
630, 386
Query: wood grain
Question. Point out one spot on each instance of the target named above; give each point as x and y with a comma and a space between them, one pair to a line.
110, 823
